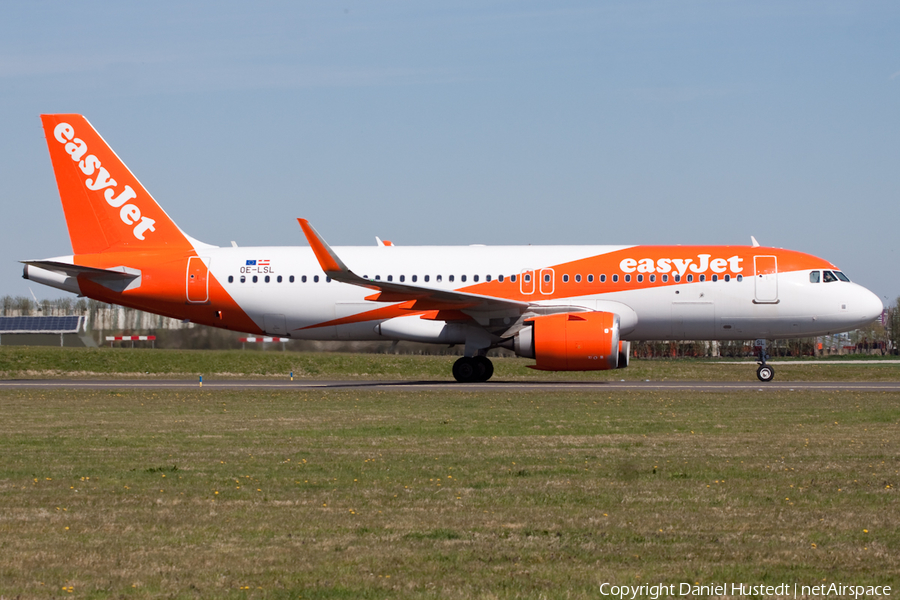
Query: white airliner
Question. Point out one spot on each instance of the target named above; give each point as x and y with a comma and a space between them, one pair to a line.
570, 308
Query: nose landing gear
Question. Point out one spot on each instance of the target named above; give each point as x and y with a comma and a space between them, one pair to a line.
473, 369
765, 372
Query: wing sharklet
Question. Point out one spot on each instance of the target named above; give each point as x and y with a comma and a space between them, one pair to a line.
427, 298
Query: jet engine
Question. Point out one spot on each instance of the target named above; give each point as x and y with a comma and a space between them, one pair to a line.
583, 341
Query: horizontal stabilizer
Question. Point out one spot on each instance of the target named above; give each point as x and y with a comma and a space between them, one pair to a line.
89, 272
116, 278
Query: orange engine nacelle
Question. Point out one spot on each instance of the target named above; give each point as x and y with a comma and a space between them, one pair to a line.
584, 341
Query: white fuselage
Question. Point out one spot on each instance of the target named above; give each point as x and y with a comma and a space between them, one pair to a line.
697, 310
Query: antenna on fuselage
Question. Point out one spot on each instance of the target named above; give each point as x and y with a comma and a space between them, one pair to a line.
753, 242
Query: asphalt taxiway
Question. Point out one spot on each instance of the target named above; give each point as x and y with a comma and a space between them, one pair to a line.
490, 386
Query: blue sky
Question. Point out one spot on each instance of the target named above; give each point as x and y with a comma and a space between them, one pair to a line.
471, 122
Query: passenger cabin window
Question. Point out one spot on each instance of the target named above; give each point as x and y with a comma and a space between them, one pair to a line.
512, 278
427, 277
676, 278
315, 279
439, 278
640, 279
278, 279
450, 278
578, 279
628, 279
243, 278
590, 279
415, 278
815, 276
291, 279
615, 278
402, 278
475, 278
231, 279
462, 278
828, 276
500, 278
703, 278
727, 278
715, 278
565, 279
527, 278
653, 279
603, 279
665, 279
391, 278
740, 278
255, 279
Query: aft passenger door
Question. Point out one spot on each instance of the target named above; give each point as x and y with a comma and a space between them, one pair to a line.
766, 279
197, 284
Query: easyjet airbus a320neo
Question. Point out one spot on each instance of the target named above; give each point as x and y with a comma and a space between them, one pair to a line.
570, 308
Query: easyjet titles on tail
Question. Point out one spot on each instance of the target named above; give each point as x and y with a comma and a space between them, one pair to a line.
99, 179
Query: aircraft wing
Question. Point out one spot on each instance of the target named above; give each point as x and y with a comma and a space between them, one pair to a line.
420, 298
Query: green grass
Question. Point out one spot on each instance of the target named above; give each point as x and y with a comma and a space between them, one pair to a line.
41, 362
370, 494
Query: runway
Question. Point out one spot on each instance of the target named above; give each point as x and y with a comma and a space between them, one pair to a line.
450, 386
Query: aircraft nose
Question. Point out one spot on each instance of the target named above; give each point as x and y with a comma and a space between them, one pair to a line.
870, 306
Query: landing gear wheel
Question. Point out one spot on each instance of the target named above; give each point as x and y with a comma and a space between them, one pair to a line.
484, 368
474, 369
765, 373
464, 370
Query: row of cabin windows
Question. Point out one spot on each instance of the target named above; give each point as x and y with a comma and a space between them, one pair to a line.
440, 278
652, 278
813, 277
401, 278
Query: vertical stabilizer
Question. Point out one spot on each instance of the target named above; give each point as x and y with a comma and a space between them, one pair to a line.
106, 207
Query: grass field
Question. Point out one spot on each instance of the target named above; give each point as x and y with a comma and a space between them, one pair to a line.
42, 362
367, 494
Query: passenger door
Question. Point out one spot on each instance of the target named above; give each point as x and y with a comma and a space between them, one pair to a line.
766, 279
197, 284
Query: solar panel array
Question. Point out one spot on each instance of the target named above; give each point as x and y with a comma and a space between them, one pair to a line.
40, 324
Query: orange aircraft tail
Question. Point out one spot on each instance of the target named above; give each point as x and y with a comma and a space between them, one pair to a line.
106, 207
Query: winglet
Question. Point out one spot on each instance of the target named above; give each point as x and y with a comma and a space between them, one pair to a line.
328, 260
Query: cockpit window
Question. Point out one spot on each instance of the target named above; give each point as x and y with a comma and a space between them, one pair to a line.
829, 276
815, 276
841, 276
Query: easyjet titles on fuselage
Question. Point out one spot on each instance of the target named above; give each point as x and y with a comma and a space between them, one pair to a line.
682, 265
90, 165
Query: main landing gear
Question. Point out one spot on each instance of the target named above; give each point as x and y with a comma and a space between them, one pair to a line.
765, 372
473, 369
